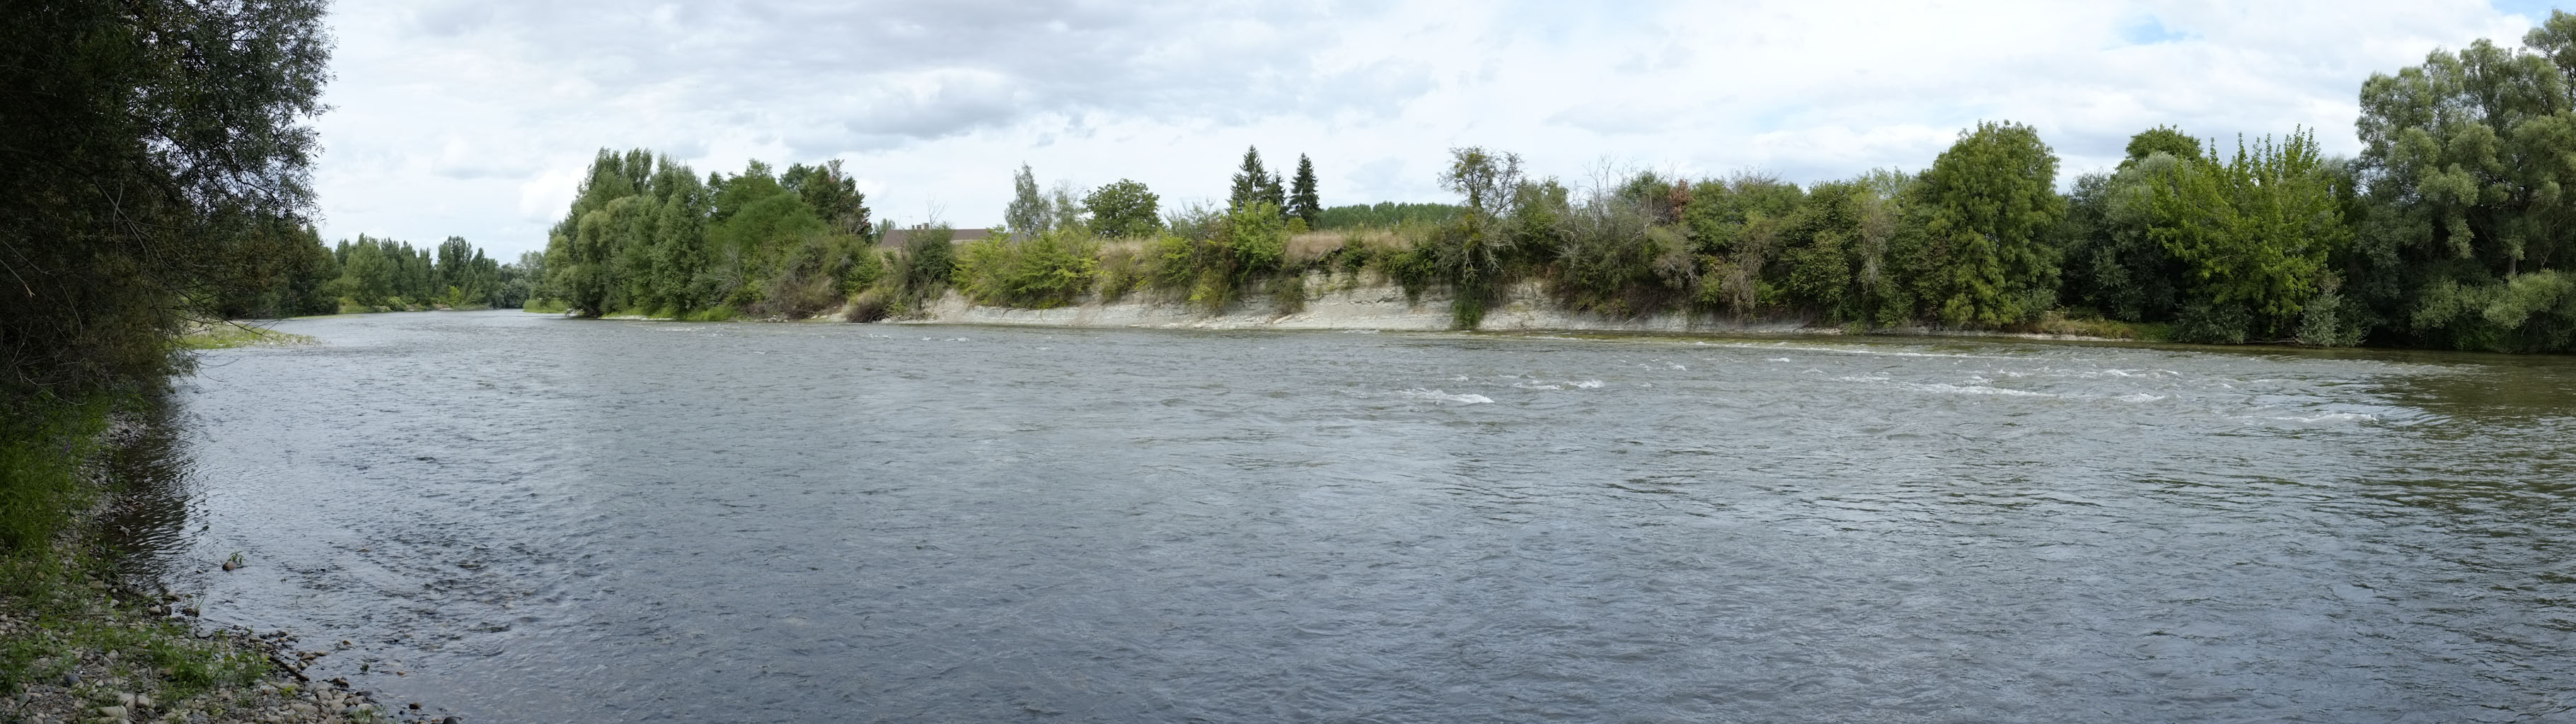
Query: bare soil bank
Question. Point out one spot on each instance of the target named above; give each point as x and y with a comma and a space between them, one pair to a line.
1340, 302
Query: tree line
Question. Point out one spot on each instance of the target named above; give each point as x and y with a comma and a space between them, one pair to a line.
2450, 229
647, 235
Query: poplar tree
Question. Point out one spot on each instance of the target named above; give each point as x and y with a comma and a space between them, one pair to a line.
1028, 213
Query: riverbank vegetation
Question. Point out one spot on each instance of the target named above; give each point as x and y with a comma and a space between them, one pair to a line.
647, 235
2450, 229
158, 185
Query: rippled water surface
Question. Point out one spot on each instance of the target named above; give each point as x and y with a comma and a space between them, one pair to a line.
539, 519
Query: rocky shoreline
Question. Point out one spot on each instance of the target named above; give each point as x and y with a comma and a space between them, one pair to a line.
99, 685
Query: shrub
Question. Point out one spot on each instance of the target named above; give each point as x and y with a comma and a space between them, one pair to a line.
1615, 261
871, 305
2205, 323
1124, 266
1287, 294
1048, 270
2330, 321
929, 258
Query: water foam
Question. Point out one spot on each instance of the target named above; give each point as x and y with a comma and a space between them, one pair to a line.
1444, 396
2330, 417
1980, 390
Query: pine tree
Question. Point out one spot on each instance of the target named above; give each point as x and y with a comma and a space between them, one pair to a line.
1302, 202
1250, 183
1275, 193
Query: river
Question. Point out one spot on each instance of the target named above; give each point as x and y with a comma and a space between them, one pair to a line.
523, 518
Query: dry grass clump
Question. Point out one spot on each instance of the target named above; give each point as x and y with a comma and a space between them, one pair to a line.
1306, 248
1383, 238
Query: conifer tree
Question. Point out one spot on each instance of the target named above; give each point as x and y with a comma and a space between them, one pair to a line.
1251, 183
1275, 193
1302, 202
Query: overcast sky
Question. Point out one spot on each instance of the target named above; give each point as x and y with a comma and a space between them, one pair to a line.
476, 118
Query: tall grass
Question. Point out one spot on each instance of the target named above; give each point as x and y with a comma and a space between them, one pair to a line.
54, 470
42, 447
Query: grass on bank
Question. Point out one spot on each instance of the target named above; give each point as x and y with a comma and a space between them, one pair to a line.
2081, 324
229, 335
59, 606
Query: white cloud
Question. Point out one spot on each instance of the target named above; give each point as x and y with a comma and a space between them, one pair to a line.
476, 117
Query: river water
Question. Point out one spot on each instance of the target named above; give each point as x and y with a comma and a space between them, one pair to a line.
535, 519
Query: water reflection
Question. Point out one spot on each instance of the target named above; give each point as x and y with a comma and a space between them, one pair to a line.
148, 523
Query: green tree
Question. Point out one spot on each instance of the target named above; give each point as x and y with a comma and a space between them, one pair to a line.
368, 273
1735, 227
2464, 160
678, 256
1124, 209
832, 194
2161, 139
929, 260
1064, 210
2253, 235
157, 157
1470, 255
581, 251
2113, 267
1611, 256
1251, 182
1303, 204
1028, 213
1988, 205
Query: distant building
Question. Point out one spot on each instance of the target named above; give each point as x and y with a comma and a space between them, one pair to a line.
896, 238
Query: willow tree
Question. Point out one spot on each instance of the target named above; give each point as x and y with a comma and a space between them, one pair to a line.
580, 250
157, 154
2467, 164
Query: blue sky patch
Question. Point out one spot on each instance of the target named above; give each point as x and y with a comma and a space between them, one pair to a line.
2151, 30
